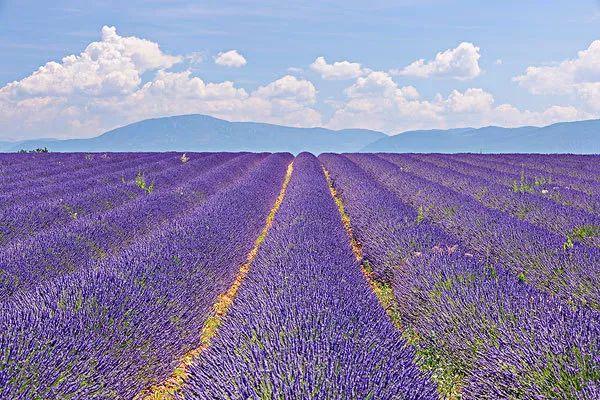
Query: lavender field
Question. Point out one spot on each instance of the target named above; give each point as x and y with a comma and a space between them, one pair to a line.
268, 276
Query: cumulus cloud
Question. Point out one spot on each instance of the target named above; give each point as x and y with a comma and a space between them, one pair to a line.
460, 63
112, 66
376, 83
230, 58
470, 101
289, 98
579, 76
289, 88
339, 70
284, 101
377, 102
102, 87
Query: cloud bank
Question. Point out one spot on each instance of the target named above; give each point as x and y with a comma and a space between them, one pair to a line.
579, 76
119, 80
376, 101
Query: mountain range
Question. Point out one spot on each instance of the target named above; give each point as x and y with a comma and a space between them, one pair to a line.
204, 133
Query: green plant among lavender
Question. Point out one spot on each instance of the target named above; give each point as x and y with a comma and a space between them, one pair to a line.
580, 234
140, 181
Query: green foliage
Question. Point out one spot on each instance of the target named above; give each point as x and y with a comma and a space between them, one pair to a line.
67, 303
491, 270
524, 185
420, 215
175, 319
38, 150
367, 267
558, 379
140, 181
522, 211
579, 234
539, 181
568, 244
445, 372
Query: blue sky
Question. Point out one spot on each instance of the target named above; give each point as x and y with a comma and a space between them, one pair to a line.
155, 58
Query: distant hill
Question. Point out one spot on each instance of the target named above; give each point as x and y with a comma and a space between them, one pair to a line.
203, 133
566, 137
8, 146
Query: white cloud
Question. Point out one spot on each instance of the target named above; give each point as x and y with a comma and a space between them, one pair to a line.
289, 88
102, 88
377, 102
460, 63
579, 76
230, 58
470, 101
376, 83
509, 115
289, 98
339, 70
284, 101
111, 66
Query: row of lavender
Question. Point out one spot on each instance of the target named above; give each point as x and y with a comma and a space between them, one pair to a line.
78, 197
83, 326
578, 190
88, 240
584, 169
534, 254
306, 324
538, 210
463, 292
38, 180
30, 207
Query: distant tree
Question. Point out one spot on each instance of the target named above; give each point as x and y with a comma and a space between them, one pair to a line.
38, 150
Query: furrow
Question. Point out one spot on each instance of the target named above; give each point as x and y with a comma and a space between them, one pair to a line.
381, 289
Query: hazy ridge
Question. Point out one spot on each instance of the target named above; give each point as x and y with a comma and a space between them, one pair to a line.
204, 133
